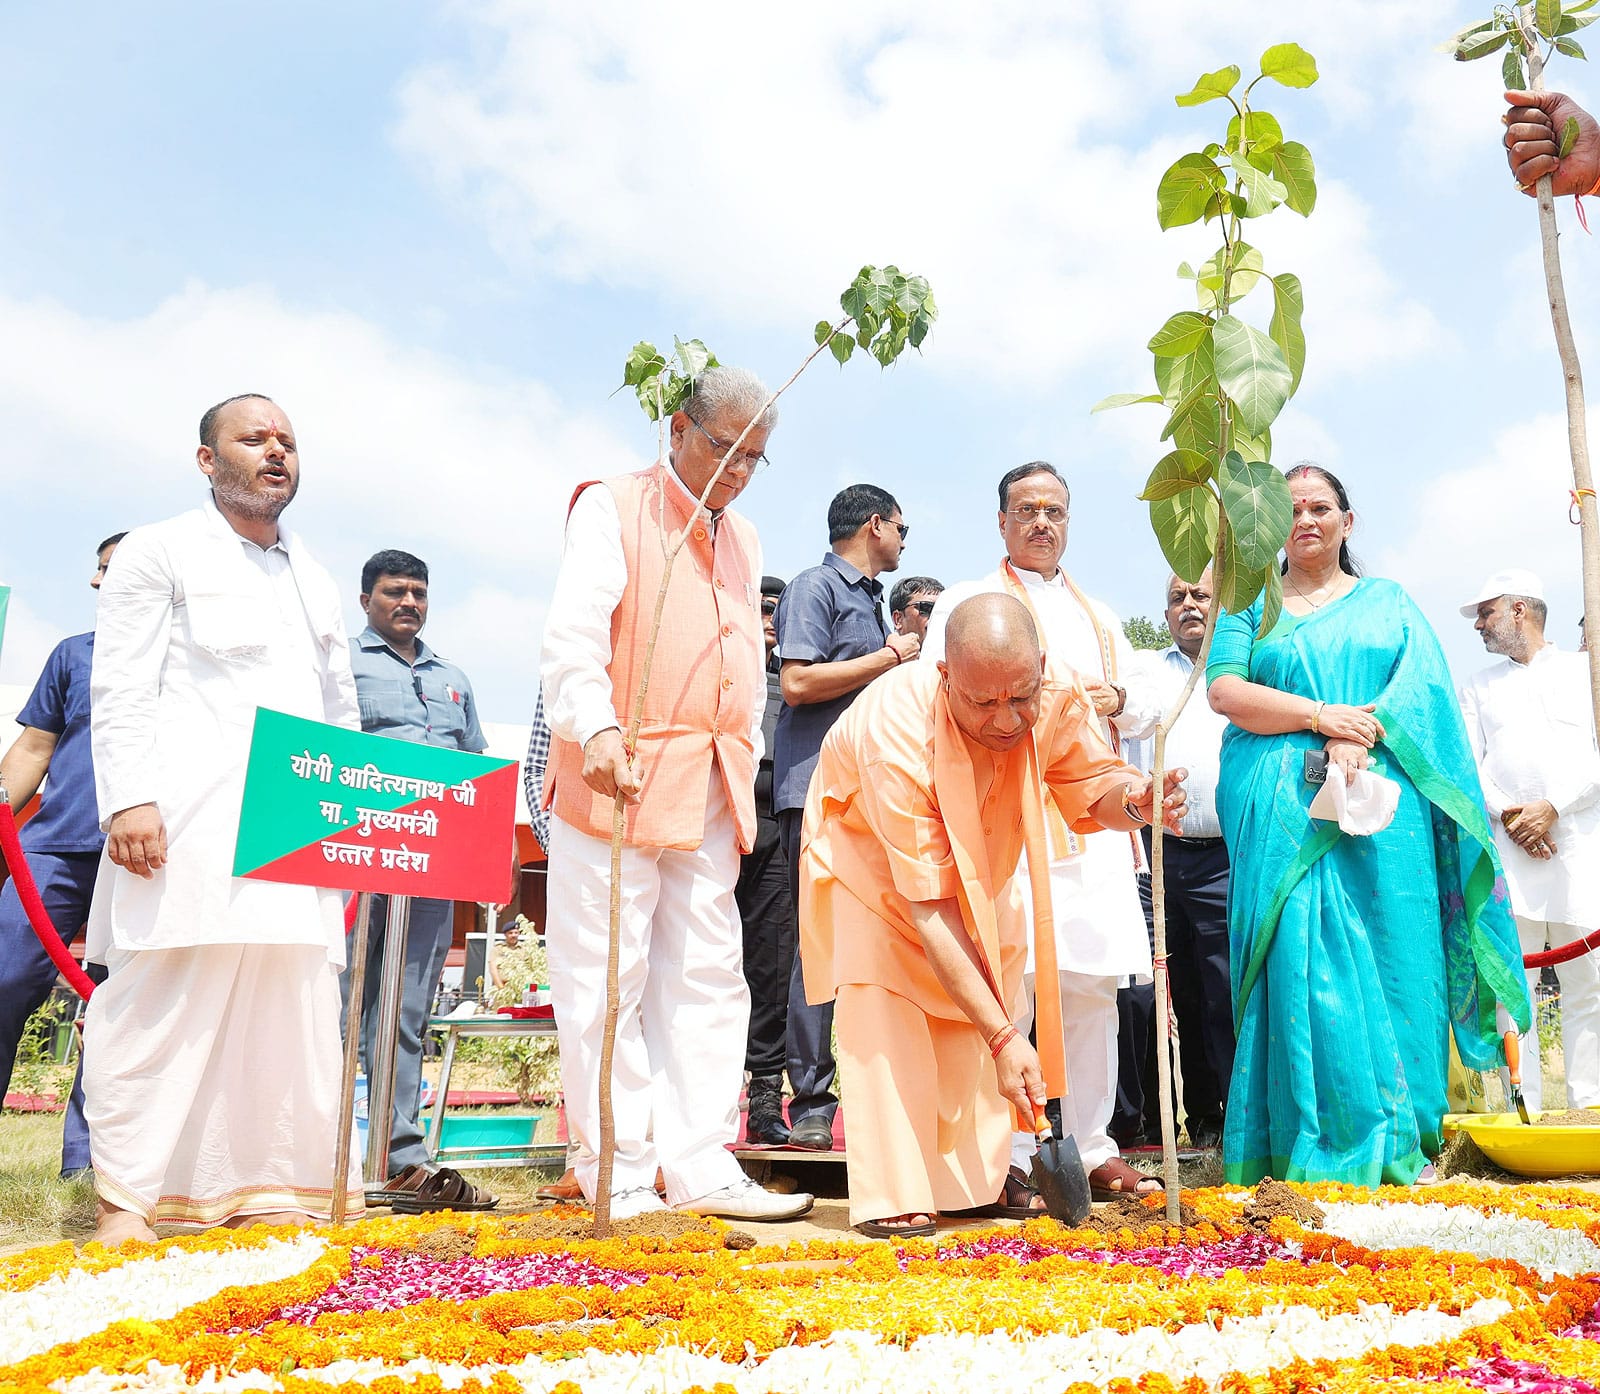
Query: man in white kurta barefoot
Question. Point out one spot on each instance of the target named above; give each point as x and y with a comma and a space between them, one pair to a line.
1531, 723
212, 1058
1100, 929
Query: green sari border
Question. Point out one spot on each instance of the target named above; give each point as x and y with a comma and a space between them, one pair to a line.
1318, 845
1505, 987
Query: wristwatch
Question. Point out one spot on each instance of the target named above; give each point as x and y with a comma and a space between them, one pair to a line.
1130, 810
1122, 699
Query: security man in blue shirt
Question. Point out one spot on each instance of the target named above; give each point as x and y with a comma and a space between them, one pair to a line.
406, 691
62, 843
833, 641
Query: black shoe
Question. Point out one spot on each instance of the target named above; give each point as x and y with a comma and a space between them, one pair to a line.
1206, 1135
72, 1175
814, 1133
764, 1122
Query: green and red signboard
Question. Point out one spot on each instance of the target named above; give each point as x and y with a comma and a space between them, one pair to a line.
324, 806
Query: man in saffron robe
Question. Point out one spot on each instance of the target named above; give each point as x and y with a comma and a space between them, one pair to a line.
926, 792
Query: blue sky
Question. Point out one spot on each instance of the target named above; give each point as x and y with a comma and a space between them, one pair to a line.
432, 232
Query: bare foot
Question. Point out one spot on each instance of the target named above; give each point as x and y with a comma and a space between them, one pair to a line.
289, 1219
114, 1227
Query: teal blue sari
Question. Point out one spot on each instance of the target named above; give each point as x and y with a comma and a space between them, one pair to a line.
1354, 957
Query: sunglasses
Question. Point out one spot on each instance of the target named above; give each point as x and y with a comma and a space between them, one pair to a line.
769, 607
922, 607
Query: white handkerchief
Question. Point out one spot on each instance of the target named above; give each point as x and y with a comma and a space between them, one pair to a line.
1363, 807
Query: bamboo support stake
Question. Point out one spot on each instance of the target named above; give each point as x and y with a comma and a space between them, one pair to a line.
1572, 377
608, 1042
1158, 913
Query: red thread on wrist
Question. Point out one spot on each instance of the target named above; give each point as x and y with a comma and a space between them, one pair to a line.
1001, 1039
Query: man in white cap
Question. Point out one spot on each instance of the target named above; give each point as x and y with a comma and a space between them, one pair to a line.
1531, 723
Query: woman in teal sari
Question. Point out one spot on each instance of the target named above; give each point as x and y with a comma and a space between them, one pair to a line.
1353, 957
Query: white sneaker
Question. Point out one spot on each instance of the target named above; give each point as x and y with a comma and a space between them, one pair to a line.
744, 1200
640, 1200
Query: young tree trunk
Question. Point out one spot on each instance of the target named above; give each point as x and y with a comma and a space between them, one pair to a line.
1577, 423
1158, 910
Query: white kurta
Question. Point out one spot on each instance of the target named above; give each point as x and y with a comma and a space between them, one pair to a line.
212, 1051
197, 628
1532, 730
1194, 743
1100, 926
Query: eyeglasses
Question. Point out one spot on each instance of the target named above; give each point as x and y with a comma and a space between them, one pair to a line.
769, 607
1027, 512
748, 461
905, 528
922, 607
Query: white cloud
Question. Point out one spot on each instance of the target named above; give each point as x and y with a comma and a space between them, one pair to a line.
749, 160
28, 639
470, 469
1506, 509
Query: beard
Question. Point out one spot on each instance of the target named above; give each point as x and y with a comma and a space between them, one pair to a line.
1500, 636
232, 488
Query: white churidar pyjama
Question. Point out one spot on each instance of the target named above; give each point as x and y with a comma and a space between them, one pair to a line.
1089, 1024
211, 1083
1580, 1017
684, 1005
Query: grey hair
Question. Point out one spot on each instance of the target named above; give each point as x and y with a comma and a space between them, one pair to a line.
734, 392
1534, 606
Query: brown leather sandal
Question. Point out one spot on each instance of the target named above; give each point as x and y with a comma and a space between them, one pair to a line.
403, 1183
446, 1189
1115, 1178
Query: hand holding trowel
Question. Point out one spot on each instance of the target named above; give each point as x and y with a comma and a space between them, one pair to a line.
1514, 1070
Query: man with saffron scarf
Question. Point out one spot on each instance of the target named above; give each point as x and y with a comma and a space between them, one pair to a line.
926, 792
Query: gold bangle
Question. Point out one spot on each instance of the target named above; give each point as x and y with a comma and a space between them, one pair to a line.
1316, 718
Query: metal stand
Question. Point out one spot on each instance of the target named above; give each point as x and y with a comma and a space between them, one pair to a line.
352, 1055
380, 1087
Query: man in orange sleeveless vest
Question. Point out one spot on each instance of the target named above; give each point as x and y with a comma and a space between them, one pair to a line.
690, 790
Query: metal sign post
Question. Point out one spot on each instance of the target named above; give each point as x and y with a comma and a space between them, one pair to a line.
352, 1055
380, 1086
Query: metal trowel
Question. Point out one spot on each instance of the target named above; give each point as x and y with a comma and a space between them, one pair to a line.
1514, 1070
1058, 1174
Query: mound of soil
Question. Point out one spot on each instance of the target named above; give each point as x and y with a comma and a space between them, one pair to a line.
563, 1222
1569, 1118
1130, 1212
1272, 1199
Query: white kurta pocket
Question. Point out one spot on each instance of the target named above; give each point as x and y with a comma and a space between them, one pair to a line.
227, 628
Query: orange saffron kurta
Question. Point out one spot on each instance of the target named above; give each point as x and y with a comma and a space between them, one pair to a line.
905, 809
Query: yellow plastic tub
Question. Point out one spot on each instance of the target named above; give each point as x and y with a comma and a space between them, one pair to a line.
1510, 1143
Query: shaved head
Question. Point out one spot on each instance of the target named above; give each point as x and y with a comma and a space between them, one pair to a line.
988, 627
993, 670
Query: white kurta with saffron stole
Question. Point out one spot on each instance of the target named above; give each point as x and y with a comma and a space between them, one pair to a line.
212, 1080
903, 809
1100, 930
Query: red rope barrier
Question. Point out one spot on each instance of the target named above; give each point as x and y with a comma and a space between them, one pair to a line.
28, 894
1564, 953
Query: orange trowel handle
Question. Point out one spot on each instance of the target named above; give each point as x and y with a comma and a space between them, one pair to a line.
1514, 1058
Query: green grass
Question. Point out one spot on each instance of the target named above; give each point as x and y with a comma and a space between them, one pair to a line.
36, 1206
